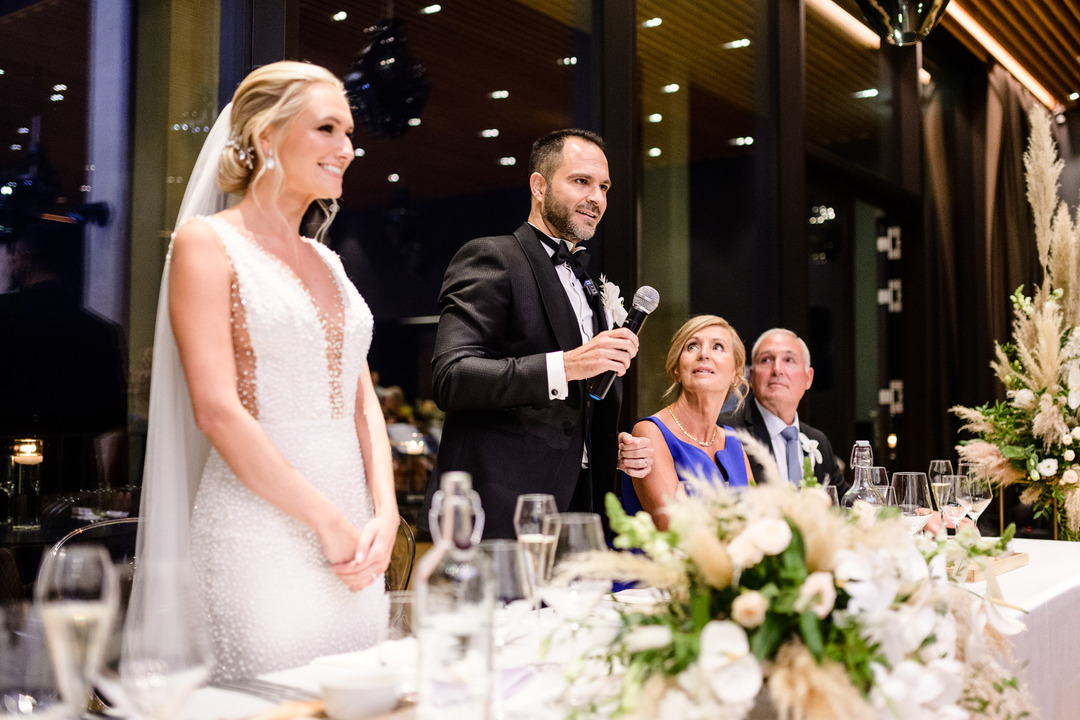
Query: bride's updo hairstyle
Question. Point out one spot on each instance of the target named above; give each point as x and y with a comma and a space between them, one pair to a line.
690, 328
269, 97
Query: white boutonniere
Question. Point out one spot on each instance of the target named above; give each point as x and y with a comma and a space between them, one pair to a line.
612, 301
810, 450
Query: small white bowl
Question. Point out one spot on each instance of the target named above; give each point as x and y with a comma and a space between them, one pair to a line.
351, 696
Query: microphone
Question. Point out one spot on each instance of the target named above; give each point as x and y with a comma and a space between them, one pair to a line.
645, 301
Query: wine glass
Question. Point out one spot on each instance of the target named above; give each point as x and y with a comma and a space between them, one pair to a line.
834, 498
571, 595
879, 478
401, 650
77, 594
529, 516
975, 492
936, 470
951, 499
164, 652
913, 498
27, 680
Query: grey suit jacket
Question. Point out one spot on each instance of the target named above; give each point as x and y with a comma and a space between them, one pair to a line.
749, 418
503, 309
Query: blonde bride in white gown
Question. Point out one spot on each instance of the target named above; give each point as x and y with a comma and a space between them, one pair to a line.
268, 463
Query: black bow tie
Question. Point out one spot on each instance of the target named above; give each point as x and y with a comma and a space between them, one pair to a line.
576, 260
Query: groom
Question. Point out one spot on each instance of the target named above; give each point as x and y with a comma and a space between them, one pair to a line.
522, 328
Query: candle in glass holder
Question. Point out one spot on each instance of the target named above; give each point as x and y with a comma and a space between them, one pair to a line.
24, 483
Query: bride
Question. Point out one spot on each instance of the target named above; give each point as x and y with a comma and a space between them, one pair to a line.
268, 463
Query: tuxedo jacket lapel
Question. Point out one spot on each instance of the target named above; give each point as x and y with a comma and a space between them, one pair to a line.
552, 294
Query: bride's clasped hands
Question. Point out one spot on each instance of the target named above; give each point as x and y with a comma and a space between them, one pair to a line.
366, 552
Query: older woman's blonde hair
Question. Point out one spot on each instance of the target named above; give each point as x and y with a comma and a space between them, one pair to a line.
270, 97
690, 328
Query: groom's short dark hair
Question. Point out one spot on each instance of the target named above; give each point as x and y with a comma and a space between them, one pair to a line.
546, 150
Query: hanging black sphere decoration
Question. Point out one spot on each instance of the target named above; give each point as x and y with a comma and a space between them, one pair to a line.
902, 22
385, 86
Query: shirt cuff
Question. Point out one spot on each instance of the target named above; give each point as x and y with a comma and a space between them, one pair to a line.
556, 375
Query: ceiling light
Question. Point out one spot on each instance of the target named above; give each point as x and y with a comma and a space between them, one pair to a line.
846, 22
654, 152
740, 141
16, 147
6, 190
1007, 61
339, 16
414, 122
23, 130
359, 152
1074, 96
567, 61
56, 97
1, 71
430, 9
59, 87
671, 88
508, 161
652, 22
393, 177
490, 133
499, 94
655, 118
871, 93
735, 44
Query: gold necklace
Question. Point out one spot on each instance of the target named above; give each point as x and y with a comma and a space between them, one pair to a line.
715, 432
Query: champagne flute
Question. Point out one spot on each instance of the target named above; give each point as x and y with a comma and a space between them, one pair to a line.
164, 653
529, 516
934, 473
571, 595
77, 593
976, 489
913, 498
951, 499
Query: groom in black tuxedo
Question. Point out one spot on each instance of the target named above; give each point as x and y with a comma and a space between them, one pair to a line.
522, 328
780, 373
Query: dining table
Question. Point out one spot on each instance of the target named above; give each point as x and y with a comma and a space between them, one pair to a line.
1044, 594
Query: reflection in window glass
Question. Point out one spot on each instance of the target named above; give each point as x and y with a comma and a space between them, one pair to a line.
697, 67
500, 73
847, 91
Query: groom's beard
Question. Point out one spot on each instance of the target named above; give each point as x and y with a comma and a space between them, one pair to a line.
560, 218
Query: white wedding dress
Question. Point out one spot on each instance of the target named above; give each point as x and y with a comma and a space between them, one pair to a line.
271, 597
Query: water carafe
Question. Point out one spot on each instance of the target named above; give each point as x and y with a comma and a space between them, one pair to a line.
455, 593
862, 459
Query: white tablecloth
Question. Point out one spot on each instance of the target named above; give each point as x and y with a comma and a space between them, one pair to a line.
1048, 588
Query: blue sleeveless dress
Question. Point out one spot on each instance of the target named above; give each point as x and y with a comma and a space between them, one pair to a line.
691, 462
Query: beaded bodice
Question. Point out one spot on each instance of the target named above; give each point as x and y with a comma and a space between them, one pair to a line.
294, 363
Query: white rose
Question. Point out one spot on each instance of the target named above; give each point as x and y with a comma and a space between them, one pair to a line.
1069, 454
749, 609
771, 535
1024, 398
818, 594
744, 551
1069, 477
1048, 467
1076, 432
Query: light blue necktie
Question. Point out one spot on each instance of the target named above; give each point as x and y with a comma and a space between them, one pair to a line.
794, 464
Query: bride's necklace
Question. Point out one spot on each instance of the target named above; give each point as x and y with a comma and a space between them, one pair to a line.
702, 443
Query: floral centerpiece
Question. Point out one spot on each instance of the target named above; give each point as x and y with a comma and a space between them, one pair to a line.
1033, 437
770, 596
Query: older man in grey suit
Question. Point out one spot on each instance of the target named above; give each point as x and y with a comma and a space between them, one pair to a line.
522, 329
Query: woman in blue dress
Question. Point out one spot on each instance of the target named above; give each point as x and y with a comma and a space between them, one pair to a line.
705, 362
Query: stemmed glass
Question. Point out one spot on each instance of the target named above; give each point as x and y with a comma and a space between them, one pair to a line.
913, 498
77, 593
951, 499
975, 490
164, 653
934, 473
529, 516
571, 595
